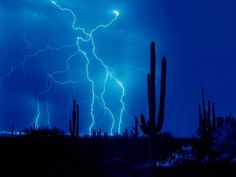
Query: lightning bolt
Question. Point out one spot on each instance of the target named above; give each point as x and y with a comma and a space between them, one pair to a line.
118, 82
27, 57
108, 74
51, 77
38, 104
21, 66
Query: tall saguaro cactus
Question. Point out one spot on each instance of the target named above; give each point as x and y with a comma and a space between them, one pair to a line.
74, 121
151, 127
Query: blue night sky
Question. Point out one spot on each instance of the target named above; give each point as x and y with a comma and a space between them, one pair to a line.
42, 70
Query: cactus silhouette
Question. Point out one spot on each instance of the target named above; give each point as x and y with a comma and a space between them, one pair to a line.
74, 121
207, 118
134, 131
151, 127
126, 133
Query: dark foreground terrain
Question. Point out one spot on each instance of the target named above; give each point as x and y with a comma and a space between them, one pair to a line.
121, 156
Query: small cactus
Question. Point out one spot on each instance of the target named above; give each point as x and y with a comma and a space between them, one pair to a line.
74, 121
126, 133
134, 130
207, 118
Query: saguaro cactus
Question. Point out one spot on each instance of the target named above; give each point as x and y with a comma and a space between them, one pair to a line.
74, 121
151, 127
135, 128
207, 118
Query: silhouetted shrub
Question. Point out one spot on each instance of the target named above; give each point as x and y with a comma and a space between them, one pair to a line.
43, 132
224, 138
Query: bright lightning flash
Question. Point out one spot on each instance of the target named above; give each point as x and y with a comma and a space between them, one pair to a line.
116, 12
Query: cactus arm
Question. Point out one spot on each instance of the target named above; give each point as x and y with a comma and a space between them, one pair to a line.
143, 125
161, 111
70, 127
200, 117
209, 123
204, 111
149, 91
152, 86
213, 116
